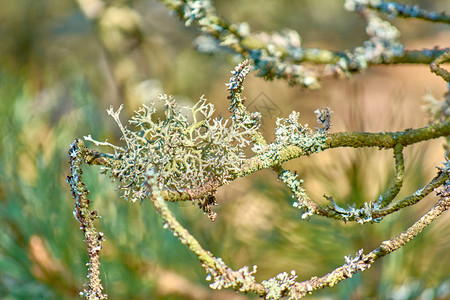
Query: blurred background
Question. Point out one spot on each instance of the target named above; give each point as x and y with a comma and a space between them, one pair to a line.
61, 67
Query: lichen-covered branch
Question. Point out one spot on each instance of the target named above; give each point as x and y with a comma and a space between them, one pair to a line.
369, 211
277, 153
398, 241
193, 158
189, 154
372, 211
281, 55
86, 217
180, 150
107, 160
392, 192
223, 276
284, 284
299, 194
424, 56
394, 9
436, 182
387, 139
436, 68
362, 261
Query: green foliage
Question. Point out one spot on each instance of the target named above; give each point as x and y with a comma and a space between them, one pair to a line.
32, 163
37, 220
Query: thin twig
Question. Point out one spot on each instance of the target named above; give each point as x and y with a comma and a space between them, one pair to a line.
436, 68
407, 11
391, 193
86, 217
437, 181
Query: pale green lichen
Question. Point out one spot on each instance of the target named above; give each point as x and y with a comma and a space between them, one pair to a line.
195, 11
362, 215
185, 150
240, 280
189, 149
355, 264
298, 193
280, 286
290, 132
382, 47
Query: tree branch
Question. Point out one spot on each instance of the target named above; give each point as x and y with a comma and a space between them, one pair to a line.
391, 193
388, 139
86, 218
395, 9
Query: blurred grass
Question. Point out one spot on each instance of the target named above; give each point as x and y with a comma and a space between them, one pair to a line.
41, 245
55, 87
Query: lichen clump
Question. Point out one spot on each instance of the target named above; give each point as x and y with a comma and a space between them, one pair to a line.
280, 286
185, 150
